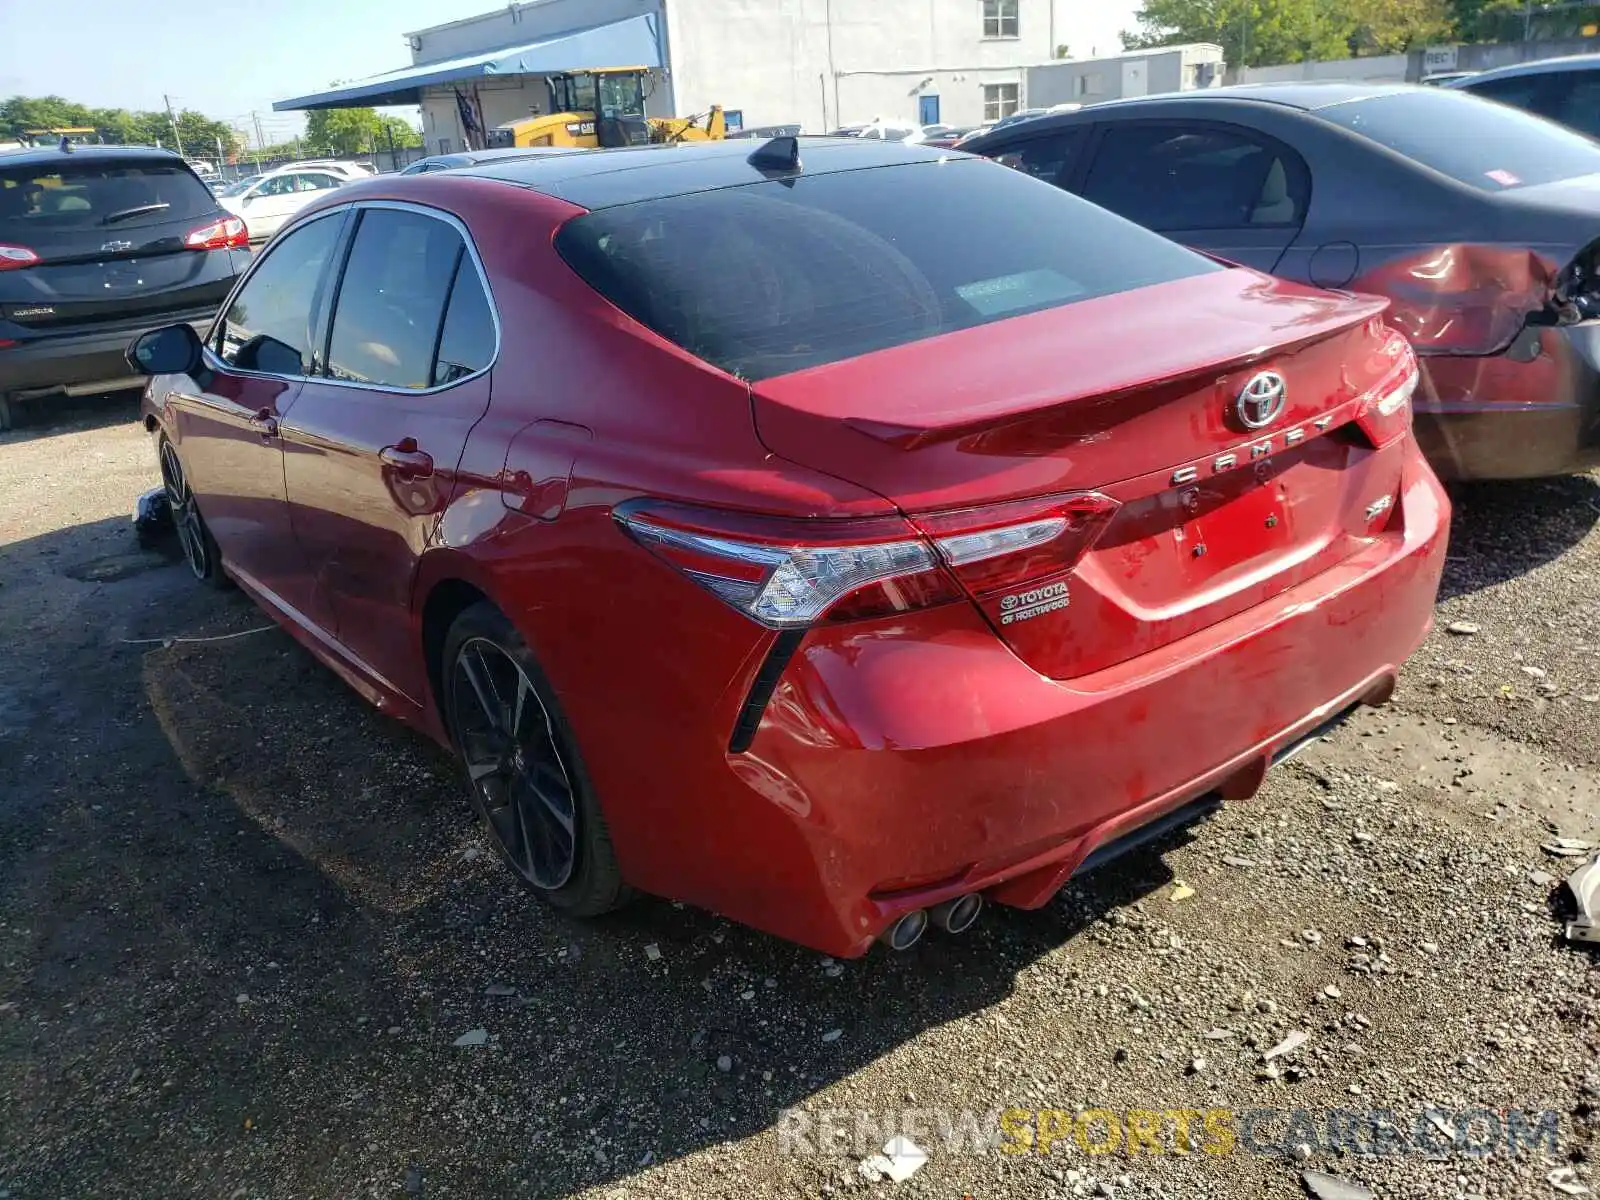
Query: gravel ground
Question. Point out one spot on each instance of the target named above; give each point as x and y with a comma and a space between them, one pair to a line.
244, 922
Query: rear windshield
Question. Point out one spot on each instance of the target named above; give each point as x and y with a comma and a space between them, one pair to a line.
774, 277
94, 195
1476, 141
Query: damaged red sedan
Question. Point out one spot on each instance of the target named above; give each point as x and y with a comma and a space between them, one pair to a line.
756, 544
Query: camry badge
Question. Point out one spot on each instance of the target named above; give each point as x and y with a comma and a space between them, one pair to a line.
1262, 400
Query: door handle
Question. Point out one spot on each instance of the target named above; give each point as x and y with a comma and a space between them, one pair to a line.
407, 461
265, 423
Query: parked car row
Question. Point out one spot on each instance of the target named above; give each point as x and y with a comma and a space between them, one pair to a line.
754, 543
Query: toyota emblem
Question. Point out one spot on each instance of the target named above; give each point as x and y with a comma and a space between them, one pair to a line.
1262, 400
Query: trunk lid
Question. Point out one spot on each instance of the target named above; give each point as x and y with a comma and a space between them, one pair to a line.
109, 236
1134, 396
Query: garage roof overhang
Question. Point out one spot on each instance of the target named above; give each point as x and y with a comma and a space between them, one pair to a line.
634, 42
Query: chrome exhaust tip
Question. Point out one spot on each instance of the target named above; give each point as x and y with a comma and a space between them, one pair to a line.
958, 915
907, 931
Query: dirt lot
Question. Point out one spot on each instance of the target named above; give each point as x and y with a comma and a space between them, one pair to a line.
244, 921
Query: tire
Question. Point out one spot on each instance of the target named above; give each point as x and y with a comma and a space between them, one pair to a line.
8, 412
194, 536
527, 782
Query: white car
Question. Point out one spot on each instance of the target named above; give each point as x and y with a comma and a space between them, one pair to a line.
344, 170
890, 131
271, 200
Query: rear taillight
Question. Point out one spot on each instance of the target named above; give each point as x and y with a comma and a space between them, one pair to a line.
1463, 299
1385, 413
227, 234
1010, 550
789, 574
13, 258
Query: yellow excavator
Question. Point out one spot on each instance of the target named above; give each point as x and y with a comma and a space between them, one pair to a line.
604, 108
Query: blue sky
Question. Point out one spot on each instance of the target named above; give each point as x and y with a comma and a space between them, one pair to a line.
225, 58
221, 57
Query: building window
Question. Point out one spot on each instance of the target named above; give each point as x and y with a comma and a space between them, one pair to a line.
444, 145
1093, 84
1000, 100
1000, 18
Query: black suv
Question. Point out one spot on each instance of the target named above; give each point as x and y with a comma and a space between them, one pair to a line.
98, 243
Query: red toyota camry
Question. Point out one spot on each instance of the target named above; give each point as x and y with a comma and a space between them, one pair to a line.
758, 543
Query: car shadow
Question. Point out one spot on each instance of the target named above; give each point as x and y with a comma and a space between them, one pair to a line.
50, 416
1502, 530
250, 908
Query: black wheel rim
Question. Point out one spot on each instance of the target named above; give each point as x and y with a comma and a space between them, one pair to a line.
185, 516
520, 784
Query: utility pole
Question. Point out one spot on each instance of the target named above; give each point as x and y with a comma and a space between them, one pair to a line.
176, 136
261, 142
1527, 20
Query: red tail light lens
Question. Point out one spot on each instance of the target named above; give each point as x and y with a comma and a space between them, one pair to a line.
227, 234
1463, 299
1007, 547
789, 574
1385, 413
13, 258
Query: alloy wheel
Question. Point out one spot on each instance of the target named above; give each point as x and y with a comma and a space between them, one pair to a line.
185, 513
519, 783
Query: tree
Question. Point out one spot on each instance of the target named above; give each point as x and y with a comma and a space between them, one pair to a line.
403, 133
340, 131
115, 125
1253, 32
1063, 51
345, 131
1395, 26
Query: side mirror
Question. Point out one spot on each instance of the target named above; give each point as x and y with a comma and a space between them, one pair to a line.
172, 350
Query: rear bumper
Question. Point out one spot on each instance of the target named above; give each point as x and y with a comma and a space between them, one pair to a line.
51, 362
1501, 418
1510, 441
901, 768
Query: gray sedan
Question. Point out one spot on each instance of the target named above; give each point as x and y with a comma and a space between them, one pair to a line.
468, 158
1480, 222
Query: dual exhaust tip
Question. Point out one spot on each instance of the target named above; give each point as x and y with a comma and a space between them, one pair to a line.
953, 916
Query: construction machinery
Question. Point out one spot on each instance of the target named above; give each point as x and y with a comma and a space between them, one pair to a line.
604, 108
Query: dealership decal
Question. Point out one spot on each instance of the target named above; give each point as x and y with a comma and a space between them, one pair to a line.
1024, 606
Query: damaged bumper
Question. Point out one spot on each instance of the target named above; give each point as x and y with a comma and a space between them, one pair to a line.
1530, 412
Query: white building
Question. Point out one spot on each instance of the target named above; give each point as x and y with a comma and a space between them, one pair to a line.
1135, 73
820, 64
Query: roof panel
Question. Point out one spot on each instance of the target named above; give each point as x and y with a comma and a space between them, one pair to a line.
604, 178
634, 42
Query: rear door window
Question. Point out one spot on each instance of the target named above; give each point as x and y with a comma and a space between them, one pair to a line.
467, 341
1489, 146
774, 277
1176, 177
1573, 98
101, 197
268, 327
386, 319
1519, 91
315, 181
1051, 158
